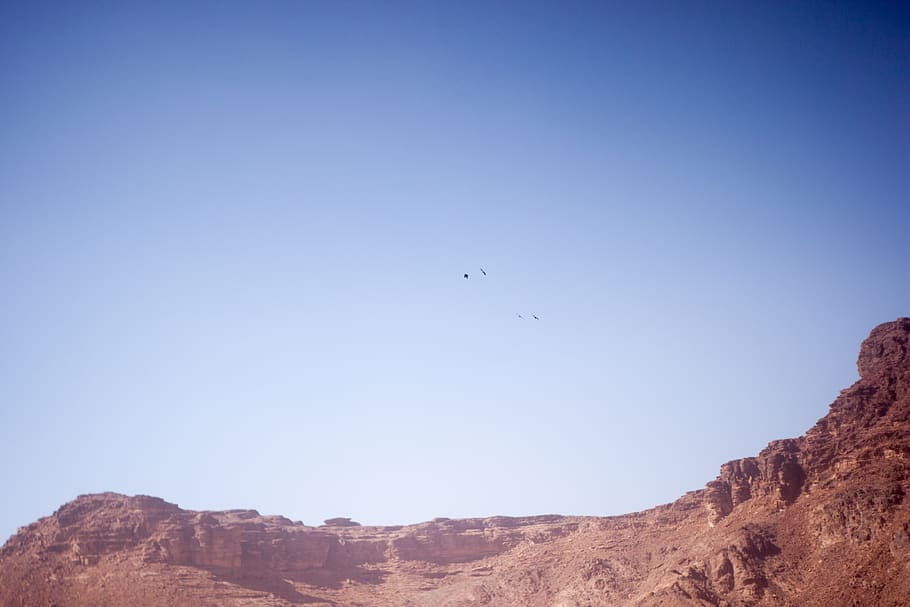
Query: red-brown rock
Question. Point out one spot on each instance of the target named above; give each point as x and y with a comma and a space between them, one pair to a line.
820, 520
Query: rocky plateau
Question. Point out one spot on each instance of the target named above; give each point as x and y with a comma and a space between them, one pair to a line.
819, 520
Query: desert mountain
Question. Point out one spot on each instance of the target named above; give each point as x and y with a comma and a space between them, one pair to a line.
819, 520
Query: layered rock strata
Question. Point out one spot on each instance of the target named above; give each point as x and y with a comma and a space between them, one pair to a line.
819, 520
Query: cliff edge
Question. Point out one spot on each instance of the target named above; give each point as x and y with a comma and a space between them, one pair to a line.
819, 520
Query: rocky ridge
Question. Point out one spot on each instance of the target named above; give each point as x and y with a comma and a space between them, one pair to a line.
821, 519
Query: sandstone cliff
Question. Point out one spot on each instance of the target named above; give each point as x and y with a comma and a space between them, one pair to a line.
822, 519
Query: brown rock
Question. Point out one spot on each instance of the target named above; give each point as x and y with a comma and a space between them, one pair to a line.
820, 520
341, 522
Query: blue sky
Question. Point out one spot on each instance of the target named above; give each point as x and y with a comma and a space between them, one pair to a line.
232, 239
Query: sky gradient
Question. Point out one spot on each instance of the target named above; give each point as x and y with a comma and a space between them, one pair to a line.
232, 240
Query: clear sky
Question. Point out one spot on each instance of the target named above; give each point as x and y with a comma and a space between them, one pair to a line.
233, 234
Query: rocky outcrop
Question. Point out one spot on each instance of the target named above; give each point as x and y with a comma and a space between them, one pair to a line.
819, 520
885, 352
340, 521
776, 472
248, 545
241, 542
95, 525
866, 422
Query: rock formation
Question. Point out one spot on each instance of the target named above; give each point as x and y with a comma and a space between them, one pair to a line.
820, 520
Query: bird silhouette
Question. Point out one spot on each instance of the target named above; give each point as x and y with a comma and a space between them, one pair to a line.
465, 275
519, 316
535, 317
482, 272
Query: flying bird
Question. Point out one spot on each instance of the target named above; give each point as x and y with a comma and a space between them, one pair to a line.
465, 275
519, 316
482, 272
535, 317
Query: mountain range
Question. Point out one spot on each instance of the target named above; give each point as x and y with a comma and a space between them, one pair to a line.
818, 520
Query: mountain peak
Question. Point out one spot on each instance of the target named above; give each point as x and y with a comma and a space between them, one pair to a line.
885, 350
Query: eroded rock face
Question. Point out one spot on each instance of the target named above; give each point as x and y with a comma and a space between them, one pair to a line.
884, 352
776, 472
820, 520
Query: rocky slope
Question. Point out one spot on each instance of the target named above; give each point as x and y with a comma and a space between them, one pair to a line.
820, 520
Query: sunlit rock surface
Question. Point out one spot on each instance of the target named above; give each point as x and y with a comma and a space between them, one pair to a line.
820, 520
